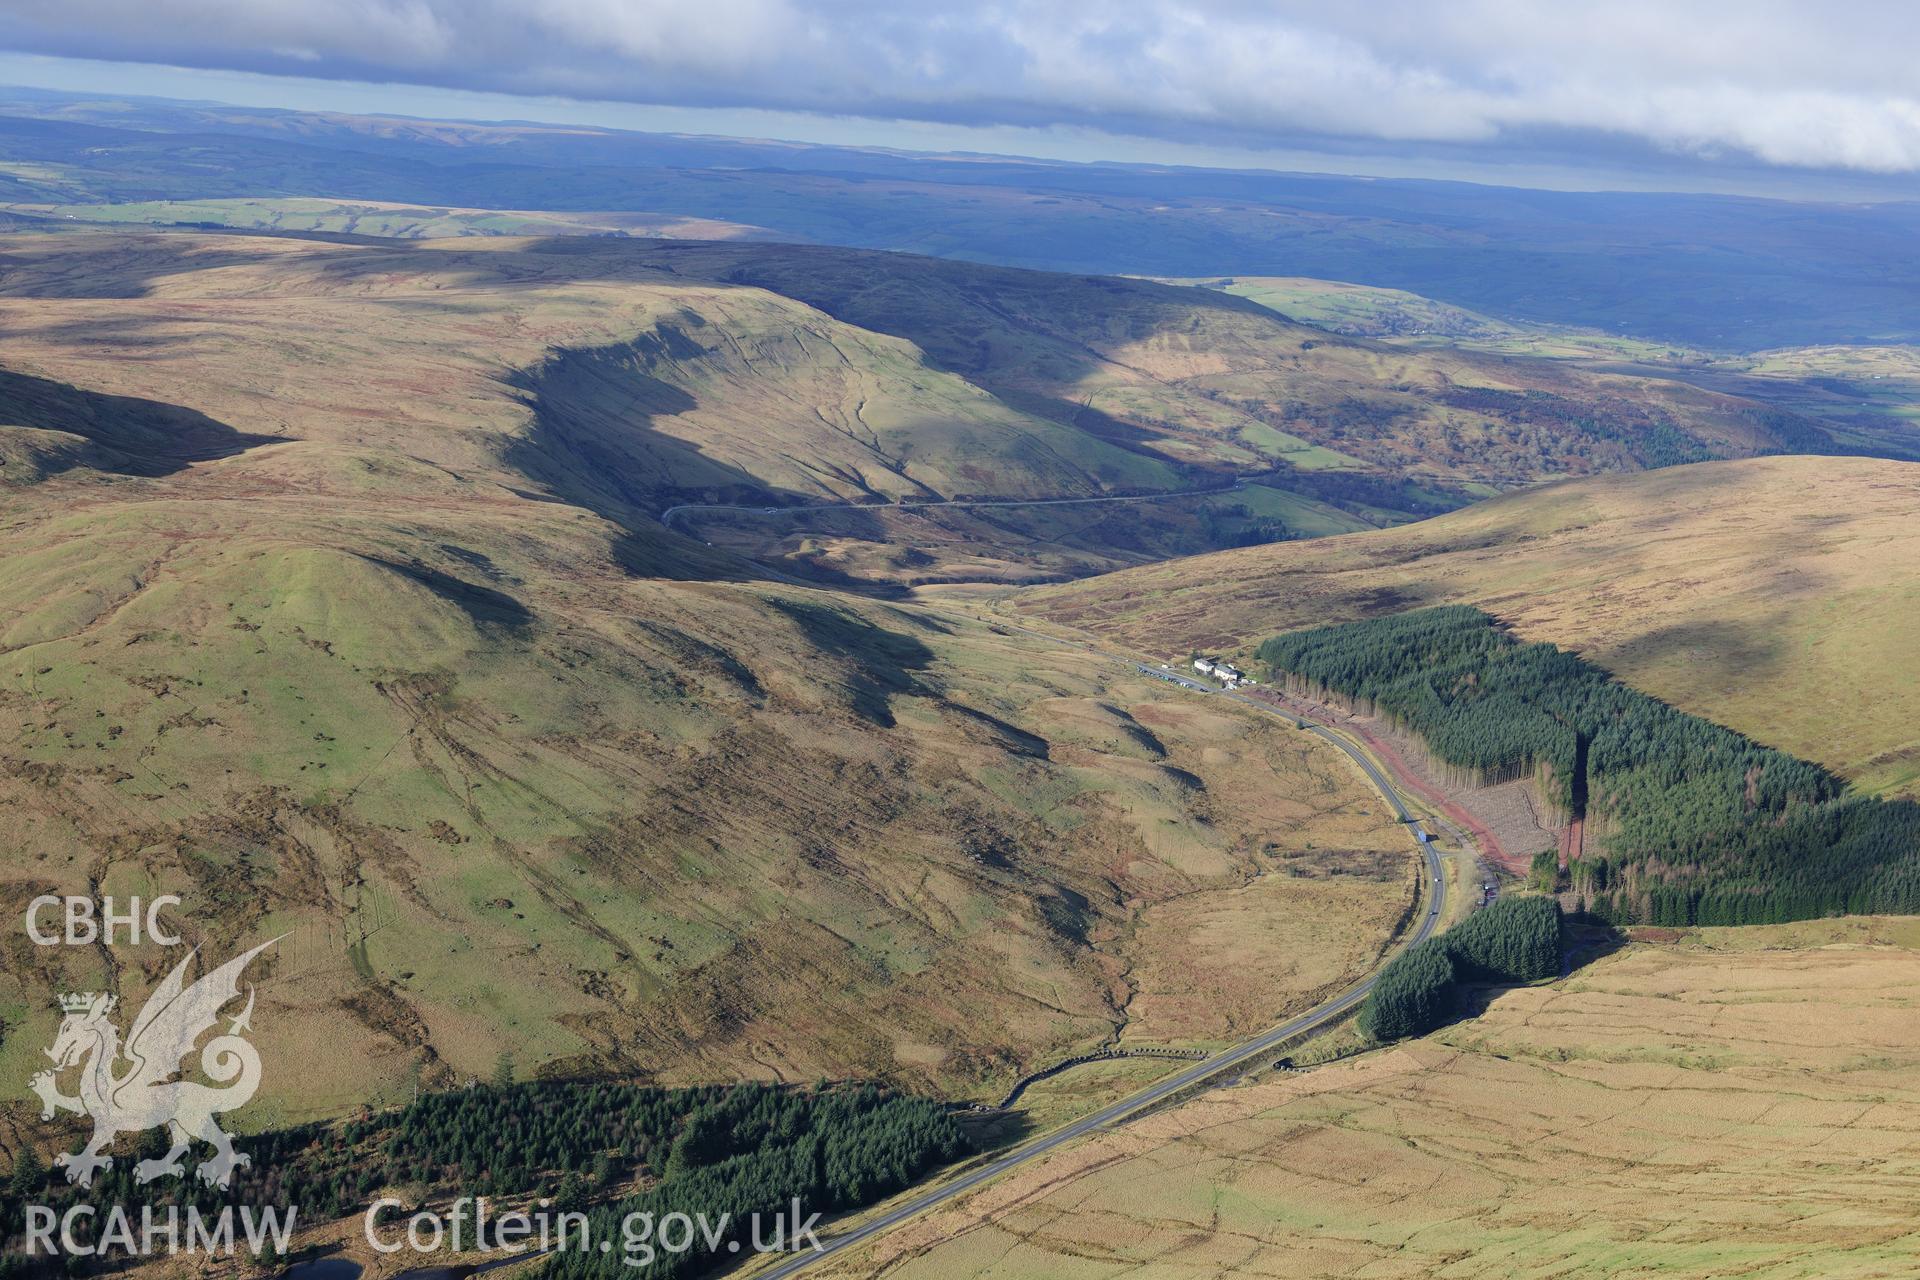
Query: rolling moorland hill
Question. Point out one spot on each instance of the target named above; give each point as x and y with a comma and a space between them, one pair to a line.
1774, 596
336, 591
1210, 379
1862, 395
1365, 311
1727, 273
667, 373
308, 617
1719, 1102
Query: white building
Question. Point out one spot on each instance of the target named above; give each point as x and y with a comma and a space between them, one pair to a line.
1203, 665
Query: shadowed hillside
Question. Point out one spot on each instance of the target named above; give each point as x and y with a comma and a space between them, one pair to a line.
412, 675
637, 377
51, 427
1215, 380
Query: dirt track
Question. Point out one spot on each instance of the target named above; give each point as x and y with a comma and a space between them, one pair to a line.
1573, 843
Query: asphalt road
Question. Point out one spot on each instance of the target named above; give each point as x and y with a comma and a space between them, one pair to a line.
666, 517
1245, 1052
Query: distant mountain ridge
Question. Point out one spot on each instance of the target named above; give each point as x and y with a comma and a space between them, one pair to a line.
1719, 272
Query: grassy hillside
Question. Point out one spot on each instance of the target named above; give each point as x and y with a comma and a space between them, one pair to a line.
646, 388
1209, 379
333, 605
1732, 1103
1774, 596
633, 377
1043, 542
1866, 397
1365, 311
336, 591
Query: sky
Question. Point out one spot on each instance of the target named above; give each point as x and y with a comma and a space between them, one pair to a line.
1697, 94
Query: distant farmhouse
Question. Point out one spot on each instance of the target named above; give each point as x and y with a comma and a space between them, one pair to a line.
1226, 673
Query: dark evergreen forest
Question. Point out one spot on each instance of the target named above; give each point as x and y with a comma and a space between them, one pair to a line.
1513, 940
600, 1148
1696, 824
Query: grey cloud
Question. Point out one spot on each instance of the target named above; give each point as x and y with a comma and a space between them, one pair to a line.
1785, 83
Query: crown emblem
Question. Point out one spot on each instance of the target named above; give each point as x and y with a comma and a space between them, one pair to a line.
145, 1096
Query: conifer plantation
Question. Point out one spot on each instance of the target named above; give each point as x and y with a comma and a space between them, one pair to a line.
605, 1149
1696, 824
1514, 940
1413, 995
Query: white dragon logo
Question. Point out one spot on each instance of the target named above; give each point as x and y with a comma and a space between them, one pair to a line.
143, 1097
